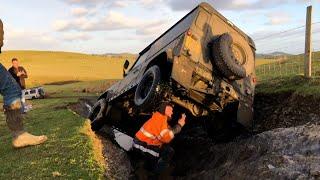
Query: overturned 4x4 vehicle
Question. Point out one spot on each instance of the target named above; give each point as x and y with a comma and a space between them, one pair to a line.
203, 64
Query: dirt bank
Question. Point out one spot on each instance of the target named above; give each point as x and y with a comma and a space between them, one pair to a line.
116, 159
285, 110
285, 145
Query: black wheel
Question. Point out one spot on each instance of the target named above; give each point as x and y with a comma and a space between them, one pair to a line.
229, 57
148, 88
98, 114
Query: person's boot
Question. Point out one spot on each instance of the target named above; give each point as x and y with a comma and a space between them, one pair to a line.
20, 137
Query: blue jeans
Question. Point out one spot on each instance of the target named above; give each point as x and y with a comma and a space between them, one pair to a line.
9, 88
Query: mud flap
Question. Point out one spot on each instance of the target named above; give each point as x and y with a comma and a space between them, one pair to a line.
245, 115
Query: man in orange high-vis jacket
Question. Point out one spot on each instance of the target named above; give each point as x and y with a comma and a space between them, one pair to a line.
154, 136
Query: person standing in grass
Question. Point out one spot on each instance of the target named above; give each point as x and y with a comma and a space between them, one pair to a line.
11, 92
19, 74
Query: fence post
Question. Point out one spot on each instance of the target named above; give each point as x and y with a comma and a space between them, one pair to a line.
308, 52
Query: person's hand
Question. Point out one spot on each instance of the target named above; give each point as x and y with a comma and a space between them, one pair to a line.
20, 73
182, 120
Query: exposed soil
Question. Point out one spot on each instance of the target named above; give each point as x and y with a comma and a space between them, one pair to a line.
285, 144
83, 105
98, 88
62, 82
285, 110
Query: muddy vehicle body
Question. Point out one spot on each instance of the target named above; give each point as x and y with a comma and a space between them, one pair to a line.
203, 64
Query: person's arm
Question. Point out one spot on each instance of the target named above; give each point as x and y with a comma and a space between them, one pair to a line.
181, 122
167, 134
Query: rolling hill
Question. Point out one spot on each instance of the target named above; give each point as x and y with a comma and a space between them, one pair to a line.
47, 66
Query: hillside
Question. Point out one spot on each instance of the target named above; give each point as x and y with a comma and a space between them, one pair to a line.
47, 66
272, 55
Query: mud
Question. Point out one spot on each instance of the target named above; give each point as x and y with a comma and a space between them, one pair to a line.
82, 107
285, 110
284, 145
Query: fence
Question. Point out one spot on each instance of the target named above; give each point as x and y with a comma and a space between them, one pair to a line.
284, 52
290, 66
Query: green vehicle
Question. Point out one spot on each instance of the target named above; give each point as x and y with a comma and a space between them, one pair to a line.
203, 64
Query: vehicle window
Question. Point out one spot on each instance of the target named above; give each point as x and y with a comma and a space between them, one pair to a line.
26, 93
201, 19
33, 91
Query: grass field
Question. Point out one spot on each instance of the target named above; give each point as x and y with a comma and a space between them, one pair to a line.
68, 153
261, 61
47, 67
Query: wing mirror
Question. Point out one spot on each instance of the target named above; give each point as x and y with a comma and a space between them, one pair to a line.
125, 67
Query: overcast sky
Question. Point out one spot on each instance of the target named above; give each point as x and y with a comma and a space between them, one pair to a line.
102, 26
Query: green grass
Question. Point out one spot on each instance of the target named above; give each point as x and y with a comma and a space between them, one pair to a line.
68, 152
295, 84
72, 151
290, 67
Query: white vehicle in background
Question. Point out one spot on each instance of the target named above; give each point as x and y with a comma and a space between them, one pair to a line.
34, 93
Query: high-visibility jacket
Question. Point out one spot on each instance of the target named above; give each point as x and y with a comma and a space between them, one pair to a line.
155, 131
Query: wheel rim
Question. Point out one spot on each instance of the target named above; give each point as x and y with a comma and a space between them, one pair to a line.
239, 54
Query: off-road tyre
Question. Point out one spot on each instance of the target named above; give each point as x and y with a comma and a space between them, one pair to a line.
225, 59
147, 91
97, 115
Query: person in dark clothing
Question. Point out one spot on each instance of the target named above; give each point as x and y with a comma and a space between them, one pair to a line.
18, 73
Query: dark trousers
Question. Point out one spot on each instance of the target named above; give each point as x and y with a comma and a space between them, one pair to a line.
157, 164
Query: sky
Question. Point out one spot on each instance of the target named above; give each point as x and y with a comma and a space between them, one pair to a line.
118, 26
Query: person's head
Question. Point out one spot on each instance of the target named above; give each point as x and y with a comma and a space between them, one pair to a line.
1, 35
166, 109
15, 62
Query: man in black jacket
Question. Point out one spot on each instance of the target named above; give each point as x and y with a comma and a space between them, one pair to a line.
18, 73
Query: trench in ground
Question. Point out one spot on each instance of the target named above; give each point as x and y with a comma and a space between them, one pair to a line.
197, 153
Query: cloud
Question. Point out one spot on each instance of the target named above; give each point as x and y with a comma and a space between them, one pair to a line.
76, 37
119, 4
278, 18
180, 5
29, 39
79, 11
87, 3
112, 21
66, 25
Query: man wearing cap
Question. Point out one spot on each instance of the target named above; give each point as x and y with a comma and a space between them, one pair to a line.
11, 93
154, 136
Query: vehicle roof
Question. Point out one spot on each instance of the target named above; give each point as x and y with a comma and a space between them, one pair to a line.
210, 9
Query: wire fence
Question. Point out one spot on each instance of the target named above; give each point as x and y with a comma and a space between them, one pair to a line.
282, 53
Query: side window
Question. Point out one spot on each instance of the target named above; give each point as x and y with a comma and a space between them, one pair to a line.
33, 91
202, 19
26, 93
